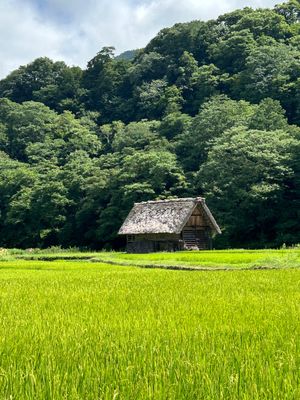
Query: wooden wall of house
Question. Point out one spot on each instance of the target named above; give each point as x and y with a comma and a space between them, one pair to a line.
154, 236
149, 243
140, 246
198, 219
196, 238
197, 231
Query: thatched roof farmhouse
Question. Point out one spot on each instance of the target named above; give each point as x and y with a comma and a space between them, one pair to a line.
169, 225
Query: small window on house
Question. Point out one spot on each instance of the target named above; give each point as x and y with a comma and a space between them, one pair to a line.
130, 238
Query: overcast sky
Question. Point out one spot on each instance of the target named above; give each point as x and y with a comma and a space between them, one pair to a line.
75, 30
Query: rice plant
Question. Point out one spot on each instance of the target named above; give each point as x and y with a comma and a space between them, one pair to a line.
211, 259
81, 330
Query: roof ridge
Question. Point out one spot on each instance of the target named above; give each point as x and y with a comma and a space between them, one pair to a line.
182, 199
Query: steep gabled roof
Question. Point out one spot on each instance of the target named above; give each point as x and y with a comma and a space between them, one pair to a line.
164, 216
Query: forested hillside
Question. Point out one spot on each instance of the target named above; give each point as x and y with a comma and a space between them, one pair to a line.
206, 108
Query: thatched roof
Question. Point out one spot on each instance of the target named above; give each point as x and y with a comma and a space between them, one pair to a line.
164, 216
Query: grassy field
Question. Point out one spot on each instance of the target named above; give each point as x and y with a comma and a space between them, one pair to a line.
83, 330
220, 259
212, 259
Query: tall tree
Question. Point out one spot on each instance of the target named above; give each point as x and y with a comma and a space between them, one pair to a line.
244, 178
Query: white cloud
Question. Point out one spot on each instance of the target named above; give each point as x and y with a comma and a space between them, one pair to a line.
75, 30
23, 36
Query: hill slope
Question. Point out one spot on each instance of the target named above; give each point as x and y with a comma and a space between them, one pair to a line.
206, 108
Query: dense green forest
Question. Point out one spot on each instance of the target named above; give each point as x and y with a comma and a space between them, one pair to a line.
206, 108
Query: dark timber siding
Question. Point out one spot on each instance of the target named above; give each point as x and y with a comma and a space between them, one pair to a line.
153, 242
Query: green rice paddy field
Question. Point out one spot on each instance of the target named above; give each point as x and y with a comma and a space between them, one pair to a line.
76, 329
